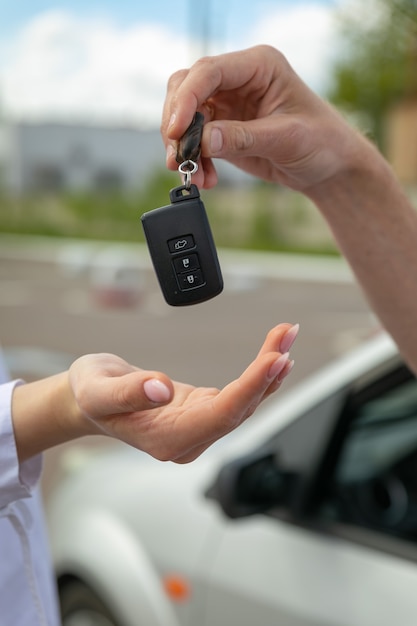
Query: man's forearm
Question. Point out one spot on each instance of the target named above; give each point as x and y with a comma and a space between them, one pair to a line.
375, 226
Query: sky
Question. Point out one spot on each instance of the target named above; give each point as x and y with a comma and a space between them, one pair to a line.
108, 61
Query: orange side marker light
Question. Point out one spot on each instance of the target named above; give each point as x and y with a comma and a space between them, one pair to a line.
177, 587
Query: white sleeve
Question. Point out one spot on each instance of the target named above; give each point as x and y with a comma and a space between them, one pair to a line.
16, 480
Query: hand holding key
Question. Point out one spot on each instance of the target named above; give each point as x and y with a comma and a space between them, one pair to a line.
260, 116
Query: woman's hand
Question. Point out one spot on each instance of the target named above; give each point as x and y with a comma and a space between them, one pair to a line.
180, 421
103, 394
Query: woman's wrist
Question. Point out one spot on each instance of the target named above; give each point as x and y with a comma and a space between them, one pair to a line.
45, 413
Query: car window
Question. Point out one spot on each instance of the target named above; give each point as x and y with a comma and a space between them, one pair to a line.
374, 479
384, 431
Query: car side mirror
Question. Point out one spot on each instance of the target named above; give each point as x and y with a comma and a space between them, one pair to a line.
251, 484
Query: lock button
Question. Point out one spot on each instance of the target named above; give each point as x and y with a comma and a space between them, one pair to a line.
181, 243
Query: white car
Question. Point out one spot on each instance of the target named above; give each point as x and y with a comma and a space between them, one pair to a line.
305, 516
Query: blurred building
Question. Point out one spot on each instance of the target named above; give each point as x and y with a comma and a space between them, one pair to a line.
58, 157
55, 157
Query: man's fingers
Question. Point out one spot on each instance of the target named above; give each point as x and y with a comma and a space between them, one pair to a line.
188, 91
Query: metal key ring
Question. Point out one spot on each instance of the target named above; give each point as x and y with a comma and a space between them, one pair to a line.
188, 168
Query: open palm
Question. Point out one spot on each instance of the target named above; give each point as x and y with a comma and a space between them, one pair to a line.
109, 395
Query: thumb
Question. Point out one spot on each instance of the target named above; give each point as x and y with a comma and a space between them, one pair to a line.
270, 148
157, 391
127, 393
228, 139
140, 390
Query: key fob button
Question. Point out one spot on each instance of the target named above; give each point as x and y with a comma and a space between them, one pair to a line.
186, 263
181, 243
191, 280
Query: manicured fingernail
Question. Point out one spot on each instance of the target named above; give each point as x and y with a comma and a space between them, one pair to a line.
216, 140
285, 371
172, 120
156, 391
289, 338
277, 367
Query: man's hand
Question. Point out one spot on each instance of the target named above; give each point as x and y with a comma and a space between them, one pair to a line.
259, 116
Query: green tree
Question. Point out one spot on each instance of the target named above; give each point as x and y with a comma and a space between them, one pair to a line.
378, 63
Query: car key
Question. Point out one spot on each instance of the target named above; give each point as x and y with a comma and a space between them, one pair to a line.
179, 237
182, 248
189, 148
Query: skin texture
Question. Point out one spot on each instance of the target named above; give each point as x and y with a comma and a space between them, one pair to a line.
261, 117
103, 394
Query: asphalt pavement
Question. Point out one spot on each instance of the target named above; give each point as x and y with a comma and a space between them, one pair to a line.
73, 297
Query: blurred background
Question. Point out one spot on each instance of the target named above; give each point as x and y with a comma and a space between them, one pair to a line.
82, 87
81, 92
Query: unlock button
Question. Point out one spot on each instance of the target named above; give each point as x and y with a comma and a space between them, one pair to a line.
186, 263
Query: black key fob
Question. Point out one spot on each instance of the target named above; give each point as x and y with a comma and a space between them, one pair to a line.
182, 249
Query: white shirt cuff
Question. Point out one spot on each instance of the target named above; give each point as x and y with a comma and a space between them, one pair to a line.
16, 480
